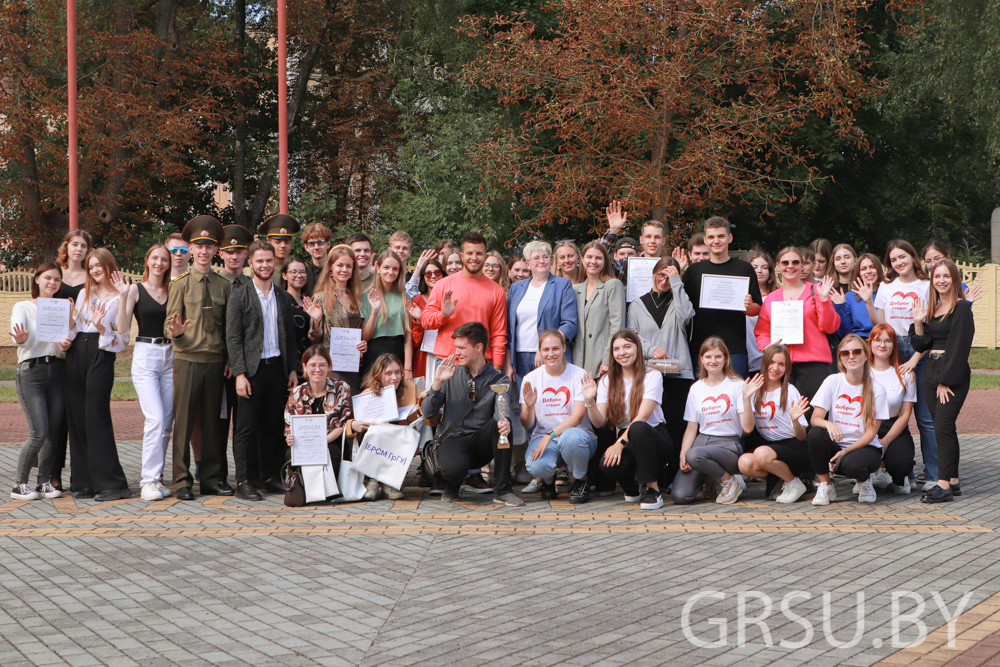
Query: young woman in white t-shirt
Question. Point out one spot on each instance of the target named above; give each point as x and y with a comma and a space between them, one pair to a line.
712, 441
772, 413
552, 404
905, 282
900, 393
642, 448
846, 435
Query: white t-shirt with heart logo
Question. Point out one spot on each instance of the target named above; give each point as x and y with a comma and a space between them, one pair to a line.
896, 299
715, 409
896, 393
555, 398
772, 422
652, 388
843, 404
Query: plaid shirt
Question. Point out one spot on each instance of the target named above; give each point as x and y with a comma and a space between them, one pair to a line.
337, 405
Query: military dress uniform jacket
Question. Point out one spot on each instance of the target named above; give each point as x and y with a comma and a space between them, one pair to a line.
201, 299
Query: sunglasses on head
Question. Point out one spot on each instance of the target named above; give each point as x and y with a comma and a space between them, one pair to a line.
844, 354
178, 251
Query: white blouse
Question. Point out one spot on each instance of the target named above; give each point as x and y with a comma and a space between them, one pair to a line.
111, 341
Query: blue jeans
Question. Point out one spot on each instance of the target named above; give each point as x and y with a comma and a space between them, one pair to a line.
925, 423
573, 447
741, 364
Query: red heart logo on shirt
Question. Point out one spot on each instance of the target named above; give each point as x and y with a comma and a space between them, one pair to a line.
715, 399
851, 400
556, 392
769, 404
908, 295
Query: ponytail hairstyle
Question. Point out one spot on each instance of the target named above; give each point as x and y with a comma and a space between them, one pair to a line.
894, 357
553, 332
907, 247
867, 389
769, 352
716, 343
616, 379
956, 290
398, 286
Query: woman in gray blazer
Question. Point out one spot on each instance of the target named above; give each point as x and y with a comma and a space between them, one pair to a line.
660, 317
600, 307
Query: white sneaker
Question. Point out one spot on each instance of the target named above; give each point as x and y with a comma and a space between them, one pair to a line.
880, 478
824, 494
867, 494
533, 487
741, 481
24, 492
856, 489
791, 491
906, 486
633, 499
928, 486
165, 491
731, 490
150, 492
49, 491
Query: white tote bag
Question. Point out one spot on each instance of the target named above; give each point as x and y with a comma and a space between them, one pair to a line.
350, 481
386, 453
319, 481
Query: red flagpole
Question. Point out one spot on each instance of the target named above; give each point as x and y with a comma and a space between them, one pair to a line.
282, 113
74, 194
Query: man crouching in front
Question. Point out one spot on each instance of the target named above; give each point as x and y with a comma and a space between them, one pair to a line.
461, 380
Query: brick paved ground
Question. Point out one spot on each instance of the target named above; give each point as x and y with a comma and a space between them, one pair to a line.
222, 582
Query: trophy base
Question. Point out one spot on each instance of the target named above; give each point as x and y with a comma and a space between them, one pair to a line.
503, 443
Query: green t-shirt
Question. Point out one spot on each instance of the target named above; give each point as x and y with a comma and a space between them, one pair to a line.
393, 307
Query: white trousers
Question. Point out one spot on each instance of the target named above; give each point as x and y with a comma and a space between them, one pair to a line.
153, 379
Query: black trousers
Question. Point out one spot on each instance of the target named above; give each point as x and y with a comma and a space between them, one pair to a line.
90, 377
645, 458
858, 465
898, 456
459, 453
260, 422
944, 416
675, 393
807, 376
606, 437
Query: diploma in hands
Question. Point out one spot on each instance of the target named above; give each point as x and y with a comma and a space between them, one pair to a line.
724, 292
374, 408
344, 353
53, 320
640, 276
787, 322
310, 446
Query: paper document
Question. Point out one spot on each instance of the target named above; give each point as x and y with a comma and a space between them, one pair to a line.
640, 276
344, 353
53, 320
310, 446
724, 292
429, 340
787, 322
371, 408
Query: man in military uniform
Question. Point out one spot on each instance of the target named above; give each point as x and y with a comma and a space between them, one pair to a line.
196, 322
278, 230
233, 250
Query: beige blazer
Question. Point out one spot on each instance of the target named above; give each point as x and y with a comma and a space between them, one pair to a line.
597, 319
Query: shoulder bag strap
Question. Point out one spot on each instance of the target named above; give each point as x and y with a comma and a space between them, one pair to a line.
461, 418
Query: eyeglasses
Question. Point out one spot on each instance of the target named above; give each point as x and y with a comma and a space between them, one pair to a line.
856, 353
316, 242
433, 274
178, 250
540, 258
882, 342
295, 273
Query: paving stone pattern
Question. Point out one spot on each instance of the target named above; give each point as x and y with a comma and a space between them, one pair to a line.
224, 582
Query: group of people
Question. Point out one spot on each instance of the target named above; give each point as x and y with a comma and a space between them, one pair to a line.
676, 389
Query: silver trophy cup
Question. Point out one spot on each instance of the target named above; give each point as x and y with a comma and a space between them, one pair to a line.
500, 390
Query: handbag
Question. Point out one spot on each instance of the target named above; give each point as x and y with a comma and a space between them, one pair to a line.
386, 453
350, 481
429, 457
295, 491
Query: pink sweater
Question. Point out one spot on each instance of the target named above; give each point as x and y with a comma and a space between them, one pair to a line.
479, 300
820, 319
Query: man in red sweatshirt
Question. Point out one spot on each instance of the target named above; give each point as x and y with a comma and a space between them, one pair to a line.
468, 296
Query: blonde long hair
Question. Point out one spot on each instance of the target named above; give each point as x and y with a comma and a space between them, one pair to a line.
867, 389
147, 274
558, 272
399, 285
956, 289
108, 263
327, 283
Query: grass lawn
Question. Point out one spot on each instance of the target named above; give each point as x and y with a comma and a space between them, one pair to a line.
983, 358
985, 382
123, 391
8, 363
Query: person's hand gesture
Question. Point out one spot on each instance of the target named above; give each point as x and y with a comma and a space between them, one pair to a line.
680, 256
177, 328
835, 433
313, 309
363, 346
974, 293
752, 386
530, 395
672, 272
503, 426
824, 288
120, 283
447, 305
445, 370
64, 344
413, 310
425, 257
376, 303
603, 370
659, 353
863, 289
97, 314
589, 387
19, 334
944, 393
798, 408
838, 296
918, 310
616, 216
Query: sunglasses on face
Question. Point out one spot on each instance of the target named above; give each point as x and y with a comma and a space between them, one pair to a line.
178, 251
846, 354
793, 262
433, 274
314, 243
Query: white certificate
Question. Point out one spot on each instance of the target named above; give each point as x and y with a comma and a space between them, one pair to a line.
53, 320
371, 408
724, 292
640, 276
344, 349
787, 322
406, 411
430, 338
310, 446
